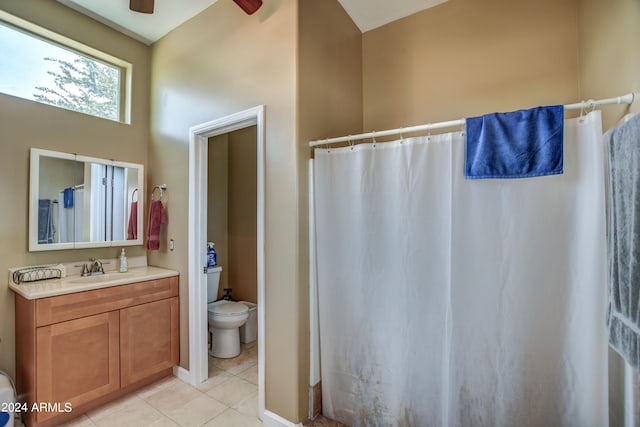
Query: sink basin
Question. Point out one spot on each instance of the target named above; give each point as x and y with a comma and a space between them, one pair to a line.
107, 277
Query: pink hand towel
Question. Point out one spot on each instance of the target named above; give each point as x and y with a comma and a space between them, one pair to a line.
132, 230
157, 216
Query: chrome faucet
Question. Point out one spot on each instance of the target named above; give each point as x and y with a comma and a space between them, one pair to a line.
96, 267
93, 268
85, 270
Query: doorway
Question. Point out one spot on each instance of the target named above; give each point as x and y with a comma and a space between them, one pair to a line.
231, 212
198, 190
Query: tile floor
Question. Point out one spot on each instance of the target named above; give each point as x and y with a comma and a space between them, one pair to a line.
229, 398
321, 421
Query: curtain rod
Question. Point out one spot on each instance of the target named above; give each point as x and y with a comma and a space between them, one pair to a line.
624, 99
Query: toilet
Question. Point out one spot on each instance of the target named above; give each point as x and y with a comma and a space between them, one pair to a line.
225, 319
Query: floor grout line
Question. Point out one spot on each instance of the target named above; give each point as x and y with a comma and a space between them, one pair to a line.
164, 385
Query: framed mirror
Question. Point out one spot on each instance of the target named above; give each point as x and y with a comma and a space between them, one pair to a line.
83, 202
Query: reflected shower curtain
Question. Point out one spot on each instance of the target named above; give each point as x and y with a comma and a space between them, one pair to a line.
70, 220
453, 302
65, 221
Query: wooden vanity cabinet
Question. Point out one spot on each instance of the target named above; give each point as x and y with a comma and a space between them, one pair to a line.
77, 360
84, 349
148, 339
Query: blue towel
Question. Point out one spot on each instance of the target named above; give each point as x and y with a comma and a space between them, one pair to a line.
45, 221
519, 144
68, 197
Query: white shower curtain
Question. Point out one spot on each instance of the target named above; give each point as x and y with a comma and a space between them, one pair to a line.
453, 302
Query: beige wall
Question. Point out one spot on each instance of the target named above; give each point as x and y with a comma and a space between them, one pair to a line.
232, 207
218, 201
220, 62
467, 57
329, 72
243, 193
329, 104
610, 53
28, 124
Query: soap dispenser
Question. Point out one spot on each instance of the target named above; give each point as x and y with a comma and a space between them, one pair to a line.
123, 262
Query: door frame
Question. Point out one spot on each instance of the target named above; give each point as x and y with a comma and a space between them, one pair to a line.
198, 147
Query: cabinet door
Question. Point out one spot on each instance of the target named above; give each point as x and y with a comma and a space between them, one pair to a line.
77, 361
148, 339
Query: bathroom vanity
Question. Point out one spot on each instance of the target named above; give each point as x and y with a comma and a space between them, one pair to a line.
84, 341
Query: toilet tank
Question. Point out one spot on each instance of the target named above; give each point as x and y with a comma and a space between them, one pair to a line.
213, 279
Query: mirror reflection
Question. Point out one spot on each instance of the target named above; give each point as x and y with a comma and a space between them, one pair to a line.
107, 201
83, 202
55, 200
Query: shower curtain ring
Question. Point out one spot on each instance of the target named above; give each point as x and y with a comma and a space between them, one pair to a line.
350, 142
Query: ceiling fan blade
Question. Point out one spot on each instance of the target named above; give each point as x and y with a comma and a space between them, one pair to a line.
142, 6
249, 6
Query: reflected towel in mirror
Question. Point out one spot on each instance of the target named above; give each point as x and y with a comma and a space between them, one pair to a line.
45, 221
132, 229
68, 197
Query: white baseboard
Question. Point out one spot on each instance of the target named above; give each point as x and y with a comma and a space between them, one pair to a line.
182, 374
274, 420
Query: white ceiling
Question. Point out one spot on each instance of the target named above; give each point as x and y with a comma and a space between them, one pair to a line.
370, 14
168, 14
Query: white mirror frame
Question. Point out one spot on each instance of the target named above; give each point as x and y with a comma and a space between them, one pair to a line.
34, 191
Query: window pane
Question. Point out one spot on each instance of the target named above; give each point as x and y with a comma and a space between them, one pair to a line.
39, 70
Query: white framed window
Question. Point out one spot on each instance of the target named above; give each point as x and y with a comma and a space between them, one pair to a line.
40, 65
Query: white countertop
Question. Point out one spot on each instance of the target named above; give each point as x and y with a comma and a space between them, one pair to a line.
76, 283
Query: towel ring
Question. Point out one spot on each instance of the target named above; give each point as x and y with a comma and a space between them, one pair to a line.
153, 192
133, 193
161, 188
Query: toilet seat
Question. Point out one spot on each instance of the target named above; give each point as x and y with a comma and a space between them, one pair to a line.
227, 308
